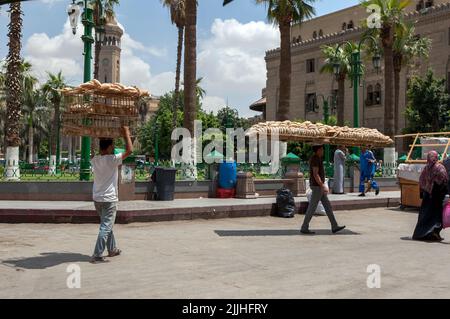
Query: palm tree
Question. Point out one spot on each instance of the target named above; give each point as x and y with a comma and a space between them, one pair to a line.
33, 108
407, 48
178, 17
284, 13
199, 90
28, 83
190, 65
28, 98
391, 12
51, 89
14, 92
99, 22
343, 56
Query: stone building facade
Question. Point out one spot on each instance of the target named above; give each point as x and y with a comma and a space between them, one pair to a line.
432, 19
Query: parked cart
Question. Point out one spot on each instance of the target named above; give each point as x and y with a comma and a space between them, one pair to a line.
409, 172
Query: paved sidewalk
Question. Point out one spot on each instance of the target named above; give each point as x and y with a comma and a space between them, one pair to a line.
263, 257
181, 209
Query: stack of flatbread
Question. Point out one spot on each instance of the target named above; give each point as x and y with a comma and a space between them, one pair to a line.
95, 87
310, 132
100, 109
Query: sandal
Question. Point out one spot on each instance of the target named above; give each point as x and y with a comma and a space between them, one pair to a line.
114, 253
98, 260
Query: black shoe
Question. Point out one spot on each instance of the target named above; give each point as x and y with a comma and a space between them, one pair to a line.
307, 232
338, 229
362, 195
377, 192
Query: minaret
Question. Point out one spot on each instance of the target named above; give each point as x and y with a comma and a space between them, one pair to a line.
109, 59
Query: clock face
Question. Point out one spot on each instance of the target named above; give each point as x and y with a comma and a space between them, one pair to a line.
105, 62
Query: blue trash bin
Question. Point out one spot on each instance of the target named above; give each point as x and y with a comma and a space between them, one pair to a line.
227, 175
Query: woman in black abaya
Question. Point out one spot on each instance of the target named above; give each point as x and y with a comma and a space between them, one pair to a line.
433, 187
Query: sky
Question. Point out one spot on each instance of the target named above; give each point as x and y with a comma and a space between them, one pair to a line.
232, 42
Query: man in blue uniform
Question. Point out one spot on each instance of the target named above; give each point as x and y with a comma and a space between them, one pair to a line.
367, 167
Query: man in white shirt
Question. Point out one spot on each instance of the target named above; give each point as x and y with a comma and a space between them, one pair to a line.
105, 193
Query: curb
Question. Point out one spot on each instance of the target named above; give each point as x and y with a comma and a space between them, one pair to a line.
60, 216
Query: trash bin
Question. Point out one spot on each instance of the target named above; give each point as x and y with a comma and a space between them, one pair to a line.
285, 203
227, 175
164, 179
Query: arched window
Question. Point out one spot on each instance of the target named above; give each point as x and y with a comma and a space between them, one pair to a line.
314, 34
377, 94
344, 26
350, 25
370, 96
114, 41
320, 33
311, 102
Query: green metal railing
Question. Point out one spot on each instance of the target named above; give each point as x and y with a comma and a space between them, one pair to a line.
71, 173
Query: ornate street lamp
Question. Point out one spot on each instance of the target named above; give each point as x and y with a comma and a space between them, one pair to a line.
73, 10
327, 102
376, 60
356, 71
88, 40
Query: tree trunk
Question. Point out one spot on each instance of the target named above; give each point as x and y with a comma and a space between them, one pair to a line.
389, 124
177, 76
14, 93
397, 64
55, 140
70, 151
341, 101
14, 77
396, 100
30, 140
54, 129
98, 47
190, 66
74, 149
285, 71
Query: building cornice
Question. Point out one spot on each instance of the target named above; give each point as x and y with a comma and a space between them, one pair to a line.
426, 16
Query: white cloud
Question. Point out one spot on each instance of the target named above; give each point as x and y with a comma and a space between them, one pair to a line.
213, 103
50, 1
138, 46
63, 52
232, 61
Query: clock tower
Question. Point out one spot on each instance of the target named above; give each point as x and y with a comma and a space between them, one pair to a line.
109, 59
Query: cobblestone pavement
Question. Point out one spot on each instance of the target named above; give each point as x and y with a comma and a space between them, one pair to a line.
263, 257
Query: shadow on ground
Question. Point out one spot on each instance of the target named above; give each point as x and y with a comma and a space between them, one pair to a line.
279, 232
425, 241
412, 210
46, 260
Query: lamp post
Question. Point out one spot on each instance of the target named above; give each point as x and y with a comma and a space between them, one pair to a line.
88, 21
356, 72
327, 102
156, 139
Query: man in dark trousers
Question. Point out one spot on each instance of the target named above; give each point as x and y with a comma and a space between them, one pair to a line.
319, 192
105, 193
